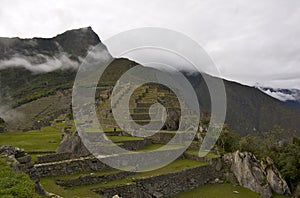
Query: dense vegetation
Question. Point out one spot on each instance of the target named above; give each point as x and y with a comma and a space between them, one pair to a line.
14, 184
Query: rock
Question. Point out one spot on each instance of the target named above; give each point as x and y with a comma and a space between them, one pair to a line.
219, 164
236, 192
157, 195
254, 175
277, 183
24, 159
71, 143
297, 191
116, 196
93, 175
9, 150
218, 181
40, 190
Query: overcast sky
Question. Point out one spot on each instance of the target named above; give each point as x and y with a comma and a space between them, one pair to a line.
251, 41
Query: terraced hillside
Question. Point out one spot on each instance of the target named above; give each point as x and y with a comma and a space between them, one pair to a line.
139, 105
88, 177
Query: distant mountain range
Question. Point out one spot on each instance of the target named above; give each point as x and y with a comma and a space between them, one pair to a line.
36, 76
291, 97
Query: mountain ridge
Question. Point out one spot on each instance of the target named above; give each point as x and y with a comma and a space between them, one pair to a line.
250, 111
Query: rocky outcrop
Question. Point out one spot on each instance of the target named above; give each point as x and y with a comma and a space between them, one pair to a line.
71, 143
261, 177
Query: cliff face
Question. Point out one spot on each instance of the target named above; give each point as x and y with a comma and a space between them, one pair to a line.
258, 176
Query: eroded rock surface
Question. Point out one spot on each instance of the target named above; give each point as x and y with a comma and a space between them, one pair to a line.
258, 176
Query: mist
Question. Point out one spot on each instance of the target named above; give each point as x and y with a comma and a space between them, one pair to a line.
40, 63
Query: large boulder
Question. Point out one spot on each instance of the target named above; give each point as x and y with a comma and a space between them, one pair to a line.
71, 143
258, 176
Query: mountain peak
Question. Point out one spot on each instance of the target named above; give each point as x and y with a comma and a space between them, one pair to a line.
76, 41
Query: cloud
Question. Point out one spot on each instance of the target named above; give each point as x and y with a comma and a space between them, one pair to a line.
46, 63
250, 41
9, 114
280, 96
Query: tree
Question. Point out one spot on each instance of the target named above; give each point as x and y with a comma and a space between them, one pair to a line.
228, 140
251, 144
288, 162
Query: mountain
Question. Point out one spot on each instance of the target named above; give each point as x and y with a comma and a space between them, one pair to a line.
36, 77
33, 68
249, 110
291, 97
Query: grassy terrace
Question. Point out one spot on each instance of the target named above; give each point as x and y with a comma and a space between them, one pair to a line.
85, 191
152, 147
196, 152
123, 138
218, 190
35, 142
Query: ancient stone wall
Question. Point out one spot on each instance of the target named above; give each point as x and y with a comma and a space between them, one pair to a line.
71, 166
53, 157
162, 185
134, 145
93, 179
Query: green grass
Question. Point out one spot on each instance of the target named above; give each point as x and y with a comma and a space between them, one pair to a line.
111, 129
218, 190
123, 138
76, 175
45, 140
14, 184
153, 147
196, 152
78, 191
178, 165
